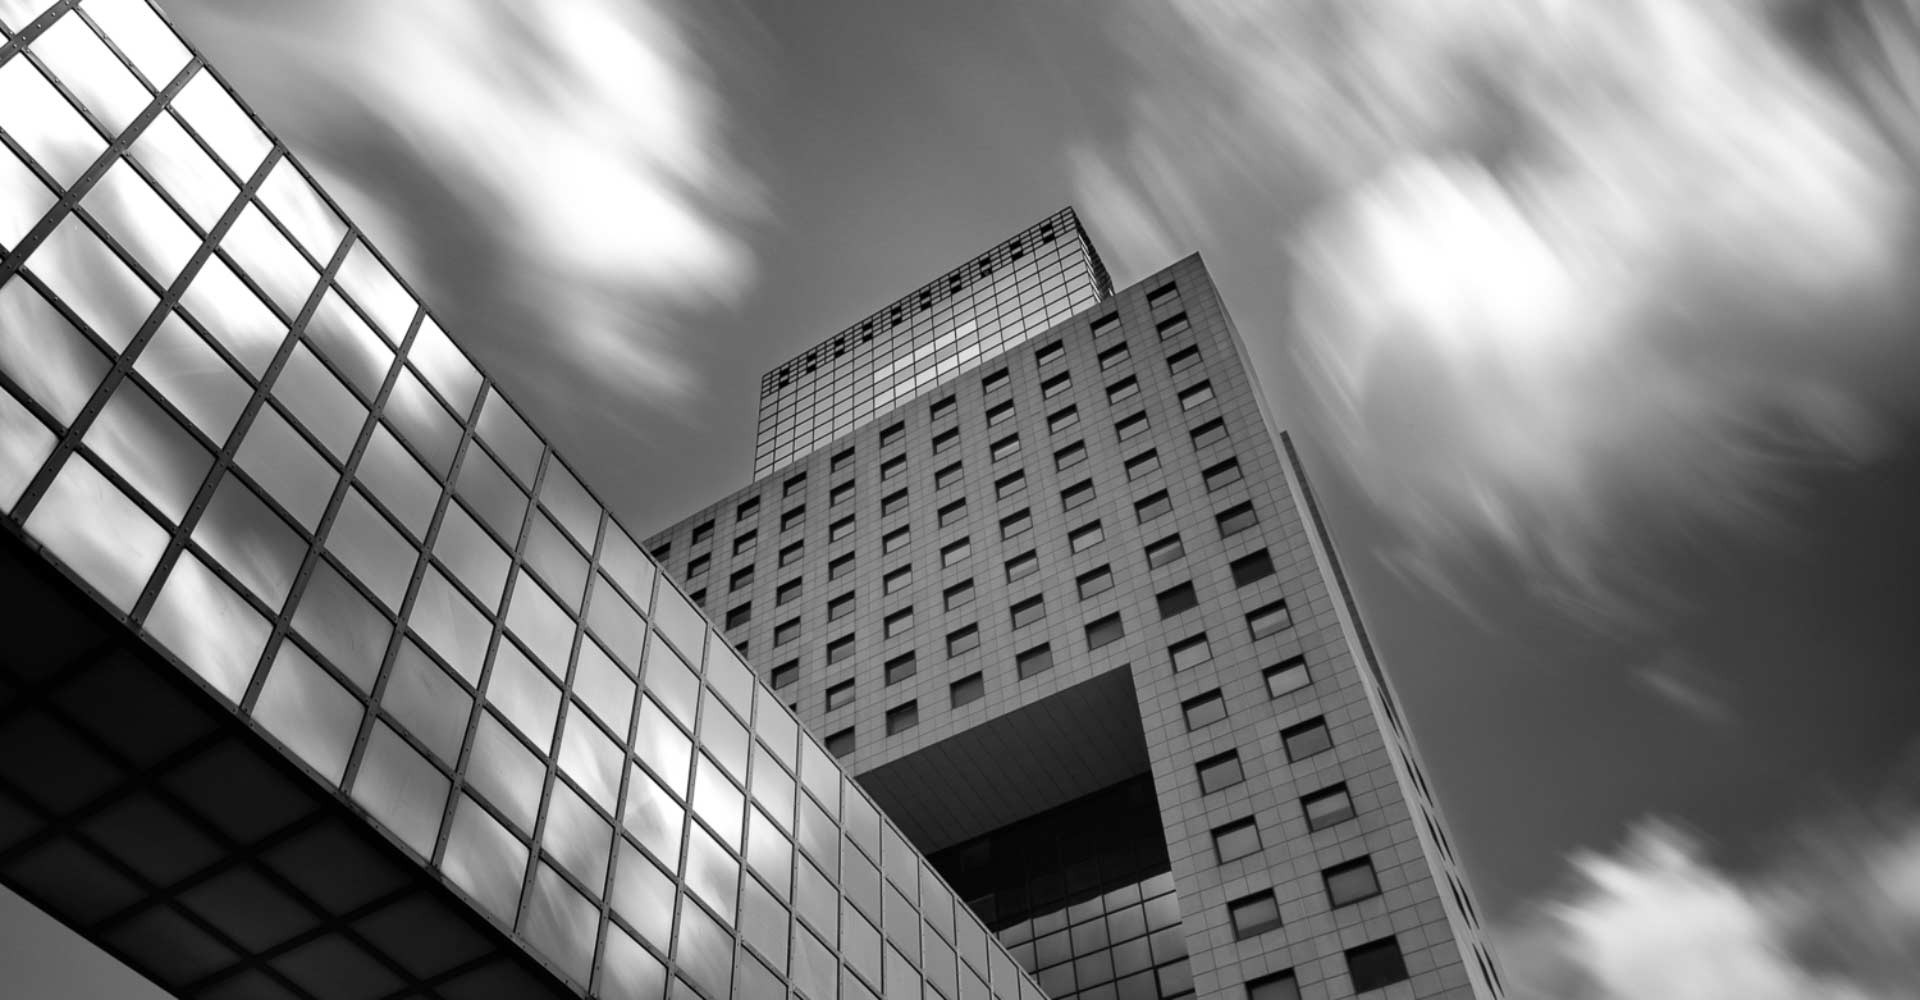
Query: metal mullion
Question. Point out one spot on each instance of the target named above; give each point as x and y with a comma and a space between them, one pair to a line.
27, 33
552, 760
624, 740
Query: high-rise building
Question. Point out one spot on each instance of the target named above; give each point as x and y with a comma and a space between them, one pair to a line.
324, 675
1070, 614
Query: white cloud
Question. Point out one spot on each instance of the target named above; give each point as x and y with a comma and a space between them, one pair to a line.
1561, 271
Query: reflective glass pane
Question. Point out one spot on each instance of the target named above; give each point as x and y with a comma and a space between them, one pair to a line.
604, 688
492, 494
615, 622
485, 859
45, 124
377, 291
509, 437
475, 558
777, 730
399, 481
184, 170
23, 199
299, 208
561, 924
662, 746
505, 771
93, 282
45, 355
820, 776
630, 972
342, 337
676, 619
538, 620
561, 493
725, 738
193, 377
342, 625
320, 402
524, 694
705, 952
763, 922
372, 548
428, 702
401, 789
556, 560
291, 470
451, 625
578, 837
306, 709
149, 449
621, 559
592, 760
218, 118
772, 788
250, 540
100, 534
154, 234
444, 366
94, 75
209, 626
712, 873
717, 802
769, 852
422, 421
150, 45
270, 260
653, 817
669, 680
17, 14
236, 317
25, 444
643, 896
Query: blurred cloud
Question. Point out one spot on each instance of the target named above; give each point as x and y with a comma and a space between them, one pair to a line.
1563, 275
554, 176
1837, 919
1685, 686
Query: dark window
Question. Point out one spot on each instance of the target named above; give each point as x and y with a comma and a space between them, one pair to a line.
1221, 475
1288, 677
1104, 631
1252, 568
697, 567
1220, 771
955, 552
1060, 420
1204, 710
900, 668
1085, 537
963, 640
1095, 581
786, 632
1209, 434
1132, 426
840, 494
748, 510
1116, 355
784, 675
1009, 485
1022, 566
893, 541
741, 579
1153, 506
739, 616
1016, 524
839, 649
1139, 465
893, 467
699, 597
1049, 353
1351, 882
942, 408
957, 596
840, 567
1327, 807
840, 461
840, 744
893, 503
1165, 552
1183, 359
897, 623
840, 607
743, 544
896, 580
1255, 914
794, 484
1376, 964
995, 381
1191, 652
661, 550
1126, 388
1172, 326
1306, 739
839, 696
793, 519
967, 690
1236, 840
1027, 612
703, 533
996, 415
1070, 456
1269, 619
953, 513
1037, 660
1236, 519
946, 439
1279, 986
946, 477
840, 529
1056, 385
1107, 324
892, 434
786, 592
903, 718
1162, 295
1077, 494
1195, 395
1176, 599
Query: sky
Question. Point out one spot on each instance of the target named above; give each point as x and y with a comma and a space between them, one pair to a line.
1590, 319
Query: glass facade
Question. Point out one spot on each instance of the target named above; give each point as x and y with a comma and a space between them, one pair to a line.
958, 321
226, 418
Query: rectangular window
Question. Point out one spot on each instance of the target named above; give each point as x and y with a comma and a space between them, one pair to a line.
1086, 537
1070, 456
1198, 394
1049, 354
1204, 710
743, 544
1005, 448
1236, 840
839, 649
840, 494
793, 519
786, 592
1279, 986
893, 467
1221, 475
1095, 581
902, 718
1009, 485
1236, 519
1183, 359
697, 567
1076, 495
955, 553
839, 696
841, 529
1029, 611
942, 408
747, 511
1142, 464
1016, 524
1287, 677
946, 477
995, 381
1107, 324
841, 743
957, 596
999, 414
893, 503
1269, 619
1165, 552
1060, 420
1177, 599
893, 541
840, 462
1022, 566
740, 580
794, 484
1254, 915
739, 616
1209, 434
703, 533
1191, 652
897, 580
1162, 295
967, 690
699, 597
897, 624
840, 567
1306, 739
1172, 326
893, 434
791, 554
1220, 771
784, 675
1327, 807
1056, 385
953, 513
1351, 882
1252, 568
1104, 631
1153, 506
1125, 389
786, 632
1037, 660
1131, 427
661, 550
962, 640
1376, 964
945, 439
900, 668
1113, 356
840, 607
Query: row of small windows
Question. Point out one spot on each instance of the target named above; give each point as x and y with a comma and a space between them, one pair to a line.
1370, 966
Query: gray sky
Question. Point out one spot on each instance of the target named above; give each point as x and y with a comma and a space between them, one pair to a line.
1591, 320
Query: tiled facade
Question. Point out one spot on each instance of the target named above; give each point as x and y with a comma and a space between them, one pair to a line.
1089, 558
326, 675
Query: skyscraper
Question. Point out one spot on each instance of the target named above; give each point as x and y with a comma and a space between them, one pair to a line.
1070, 614
325, 676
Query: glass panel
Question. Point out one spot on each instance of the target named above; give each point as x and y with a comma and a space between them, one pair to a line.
428, 702
777, 729
578, 837
17, 14
320, 402
509, 437
484, 859
401, 789
712, 873
603, 687
234, 315
451, 625
541, 624
270, 260
251, 541
643, 896
561, 493
422, 421
717, 802
669, 680
445, 367
306, 709
769, 852
148, 43
23, 199
290, 469
730, 679
153, 233
653, 818
98, 532
45, 355
620, 558
486, 486
662, 746
557, 561
816, 901
725, 738
505, 771
705, 952
213, 113
524, 694
372, 548
630, 972
675, 618
346, 340
820, 776
475, 558
763, 922
150, 450
377, 291
45, 124
772, 789
97, 285
183, 170
399, 481
94, 75
25, 444
209, 626
342, 625
299, 208
592, 760
192, 376
616, 623
561, 924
